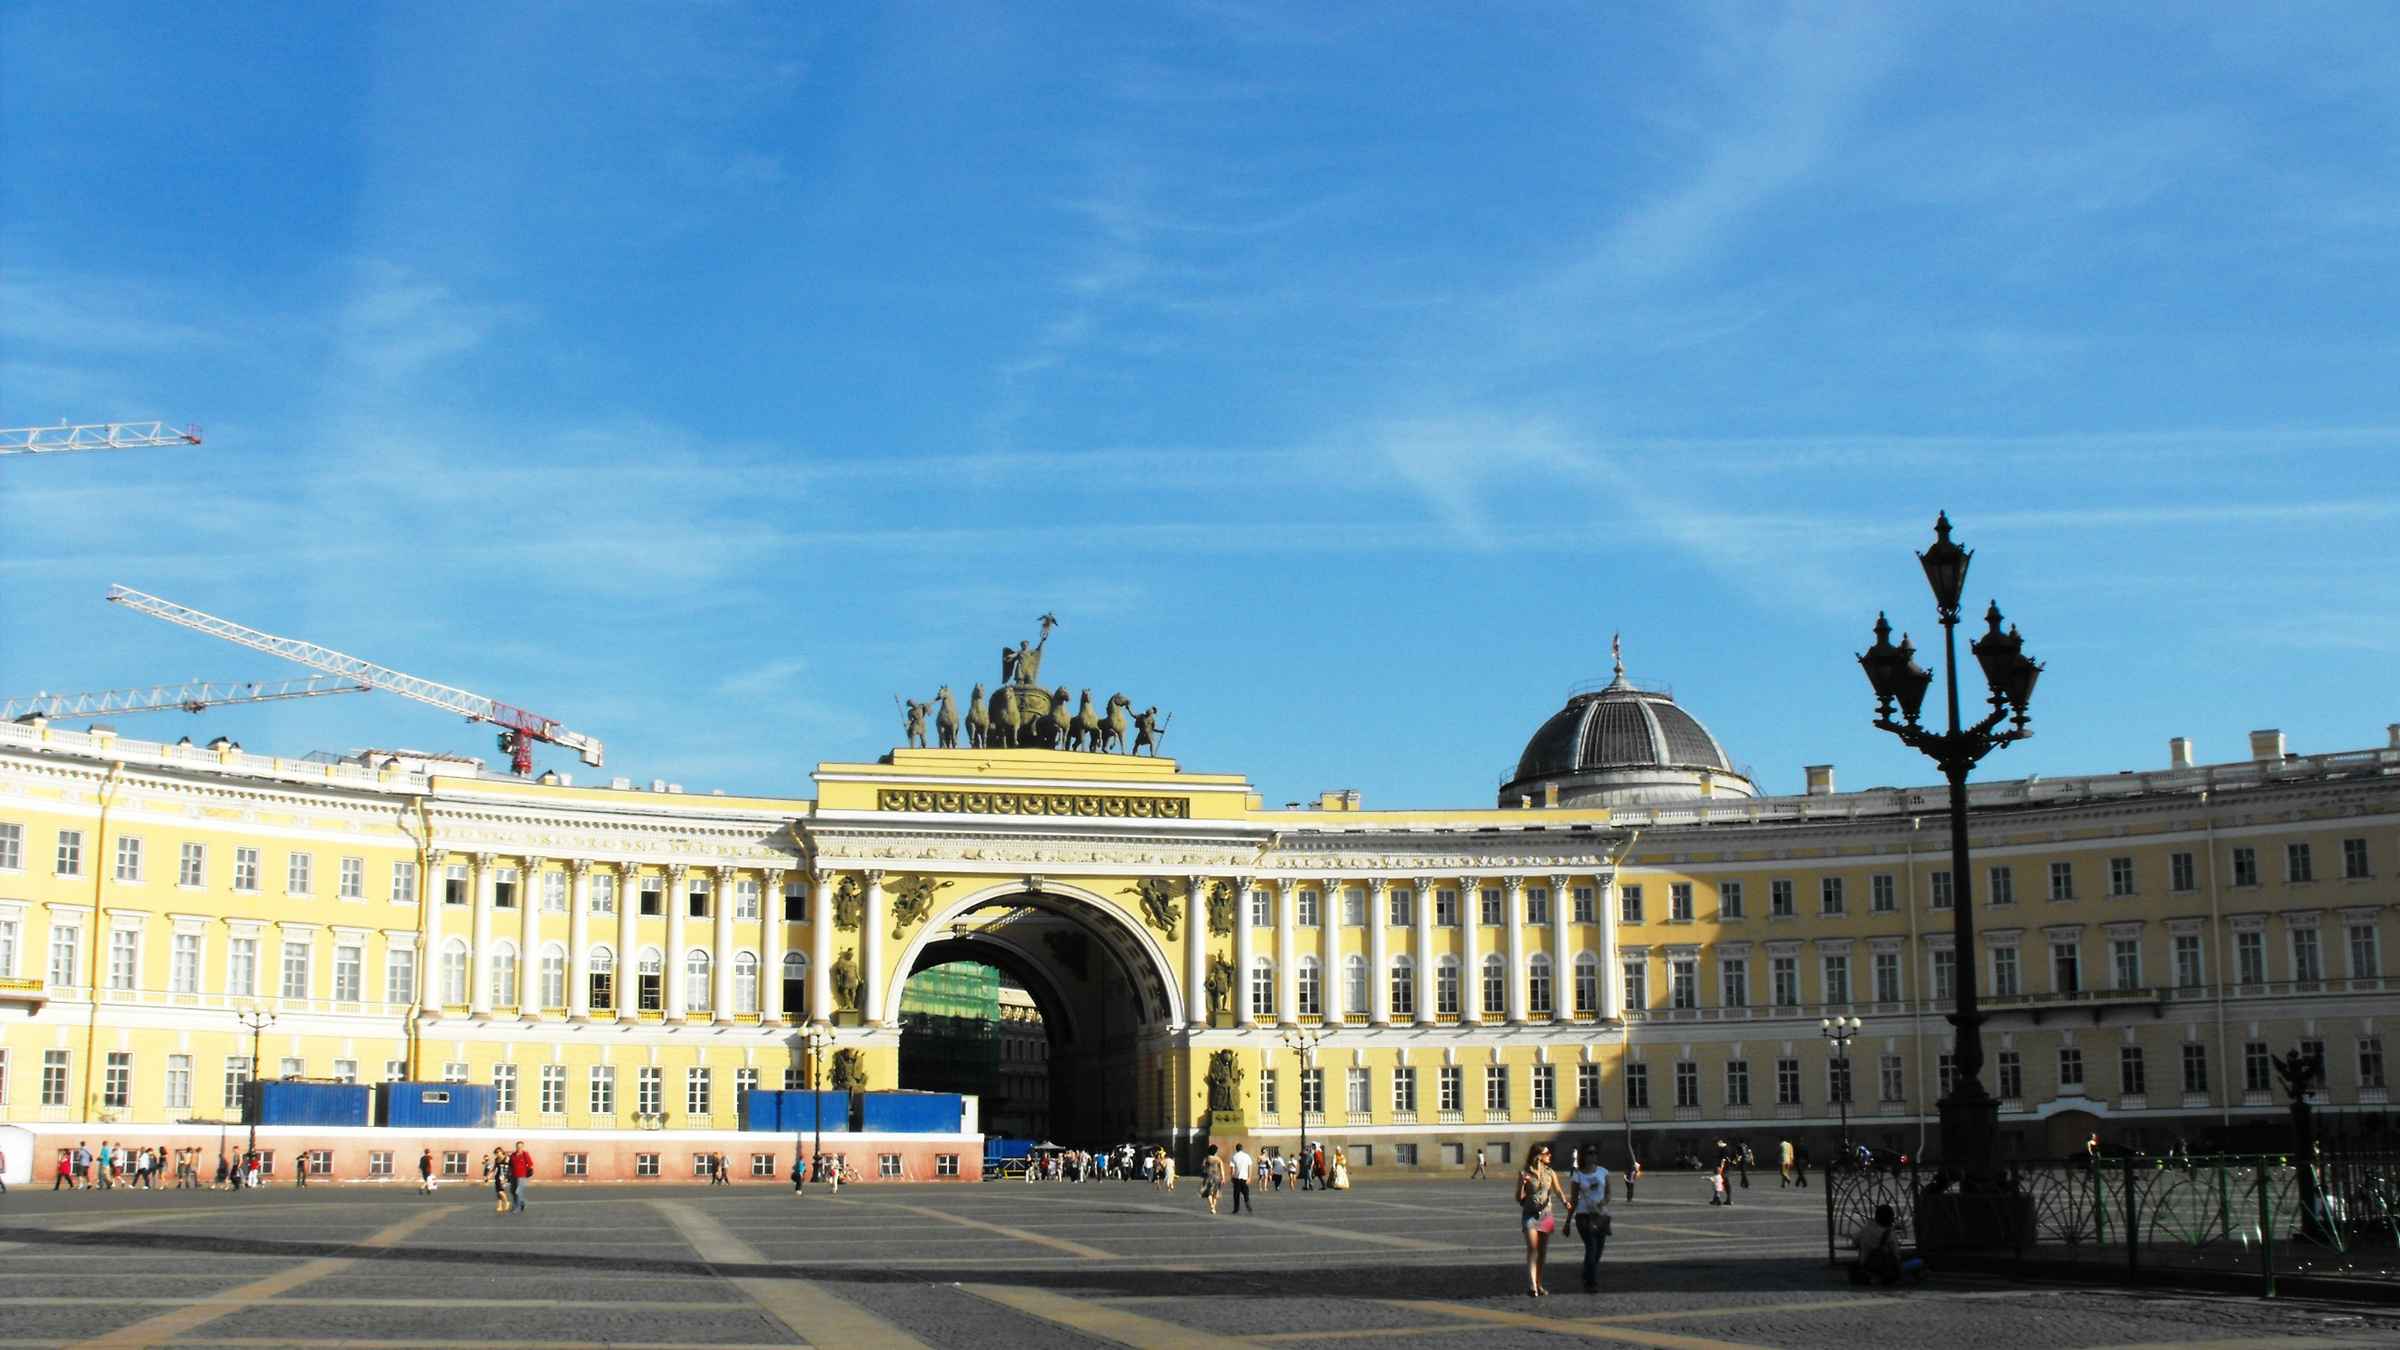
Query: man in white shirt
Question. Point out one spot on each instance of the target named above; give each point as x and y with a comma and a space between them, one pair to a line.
1242, 1165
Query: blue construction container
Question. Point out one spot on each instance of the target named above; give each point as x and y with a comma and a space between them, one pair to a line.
275, 1102
914, 1113
1001, 1150
794, 1112
434, 1106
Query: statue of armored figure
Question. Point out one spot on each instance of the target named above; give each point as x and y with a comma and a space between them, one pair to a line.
1224, 1081
846, 983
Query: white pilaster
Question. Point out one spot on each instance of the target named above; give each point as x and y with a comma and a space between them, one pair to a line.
1287, 951
529, 940
676, 906
1195, 951
870, 952
820, 947
1562, 951
721, 961
770, 946
1329, 932
1515, 914
579, 937
1612, 993
628, 980
1425, 956
479, 995
430, 896
1470, 950
1379, 962
1242, 953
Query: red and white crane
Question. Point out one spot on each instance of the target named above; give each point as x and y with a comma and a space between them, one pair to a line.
64, 439
519, 728
191, 697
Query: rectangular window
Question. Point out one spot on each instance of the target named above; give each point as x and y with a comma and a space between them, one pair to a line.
1403, 904
1354, 907
2120, 876
2066, 967
1945, 1073
345, 1071
9, 929
295, 968
1637, 982
795, 901
400, 975
2130, 1079
887, 1166
604, 894
1687, 1083
2296, 863
1587, 1086
1679, 902
12, 847
2125, 962
1537, 905
454, 1162
2190, 968
455, 890
1837, 979
1495, 1088
1683, 981
2004, 972
1785, 970
237, 1078
379, 1162
1270, 1092
2181, 874
1737, 1082
1451, 1083
504, 1089
504, 888
2062, 881
1729, 900
1312, 1092
69, 861
1887, 977
650, 1090
2250, 957
1404, 1088
745, 1082
1781, 902
395, 1071
2308, 961
1495, 913
1829, 896
2003, 886
1733, 981
2012, 1075
2195, 1067
1893, 1078
1445, 908
2070, 1069
697, 1088
299, 874
1938, 890
1629, 904
54, 1078
1307, 907
349, 975
575, 1165
1637, 1087
2245, 867
554, 1089
2366, 955
191, 869
1837, 1079
1587, 905
116, 1084
645, 1164
653, 893
1545, 1087
1945, 974
2354, 859
1787, 1082
454, 1071
2370, 1062
354, 879
1404, 1155
603, 1095
1883, 891
179, 1082
129, 858
404, 883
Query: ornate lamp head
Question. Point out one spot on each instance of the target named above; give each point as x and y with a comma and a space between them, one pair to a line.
1945, 567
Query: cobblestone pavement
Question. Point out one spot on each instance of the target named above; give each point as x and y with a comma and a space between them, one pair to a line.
1007, 1264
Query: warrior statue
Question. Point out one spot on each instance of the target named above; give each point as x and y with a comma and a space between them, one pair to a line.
916, 722
1220, 984
1220, 908
849, 1071
845, 981
1224, 1081
945, 724
1157, 895
1023, 665
1150, 730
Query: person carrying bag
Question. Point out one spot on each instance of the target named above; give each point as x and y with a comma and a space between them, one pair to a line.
1587, 1198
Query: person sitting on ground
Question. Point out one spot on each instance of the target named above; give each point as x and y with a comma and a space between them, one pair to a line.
1878, 1243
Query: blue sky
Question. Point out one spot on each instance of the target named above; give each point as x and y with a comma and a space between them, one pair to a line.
704, 375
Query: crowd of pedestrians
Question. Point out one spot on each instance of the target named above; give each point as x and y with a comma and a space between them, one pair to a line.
116, 1166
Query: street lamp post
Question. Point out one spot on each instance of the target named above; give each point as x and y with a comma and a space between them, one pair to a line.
1970, 1115
817, 1037
1303, 1042
1839, 1030
258, 1020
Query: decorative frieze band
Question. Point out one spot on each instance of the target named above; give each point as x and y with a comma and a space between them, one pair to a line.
1097, 805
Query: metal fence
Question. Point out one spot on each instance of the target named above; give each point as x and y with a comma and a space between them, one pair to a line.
2249, 1216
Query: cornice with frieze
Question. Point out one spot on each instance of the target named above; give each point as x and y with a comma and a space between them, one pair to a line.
146, 795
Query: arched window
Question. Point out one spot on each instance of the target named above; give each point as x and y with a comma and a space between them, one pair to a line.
1495, 986
1312, 988
1537, 995
1354, 985
1445, 986
651, 991
1587, 984
604, 979
554, 976
745, 983
1404, 987
504, 976
696, 969
1262, 988
795, 987
454, 972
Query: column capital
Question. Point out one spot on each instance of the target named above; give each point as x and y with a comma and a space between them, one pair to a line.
872, 876
1379, 887
821, 876
725, 874
533, 861
485, 860
1513, 883
773, 872
1558, 883
576, 867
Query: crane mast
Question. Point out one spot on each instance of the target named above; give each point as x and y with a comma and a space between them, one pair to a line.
521, 727
190, 697
63, 439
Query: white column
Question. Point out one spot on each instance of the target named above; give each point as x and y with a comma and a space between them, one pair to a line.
721, 961
1612, 995
1425, 956
629, 940
434, 879
1379, 969
1242, 954
1329, 947
1515, 914
529, 941
1287, 951
820, 947
479, 996
770, 946
1470, 951
1195, 951
870, 952
579, 937
674, 963
1562, 952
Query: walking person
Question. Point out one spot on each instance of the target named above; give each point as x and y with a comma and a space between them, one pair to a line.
425, 1172
1212, 1178
496, 1167
65, 1177
1242, 1163
1478, 1174
1537, 1187
1786, 1166
1632, 1175
800, 1174
1718, 1195
520, 1175
1587, 1200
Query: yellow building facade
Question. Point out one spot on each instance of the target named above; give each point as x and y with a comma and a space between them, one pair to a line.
1633, 948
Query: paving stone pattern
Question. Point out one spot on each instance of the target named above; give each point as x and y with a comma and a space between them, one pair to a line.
1008, 1264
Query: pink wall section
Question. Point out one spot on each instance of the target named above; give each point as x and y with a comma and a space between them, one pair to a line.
608, 1156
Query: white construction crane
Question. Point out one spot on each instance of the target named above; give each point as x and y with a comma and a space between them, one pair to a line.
64, 439
190, 697
519, 727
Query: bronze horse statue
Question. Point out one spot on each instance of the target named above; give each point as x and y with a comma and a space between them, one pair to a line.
1117, 728
945, 723
1086, 735
979, 720
1062, 720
